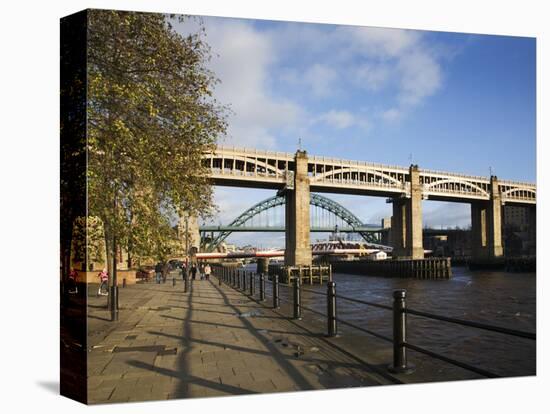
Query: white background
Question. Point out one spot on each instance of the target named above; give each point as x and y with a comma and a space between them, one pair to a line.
29, 163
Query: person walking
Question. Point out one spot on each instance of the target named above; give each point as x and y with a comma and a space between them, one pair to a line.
207, 271
104, 281
158, 272
193, 271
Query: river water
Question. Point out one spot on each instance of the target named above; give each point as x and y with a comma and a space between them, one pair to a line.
495, 298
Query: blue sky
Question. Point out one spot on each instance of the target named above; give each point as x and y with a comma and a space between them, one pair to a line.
450, 101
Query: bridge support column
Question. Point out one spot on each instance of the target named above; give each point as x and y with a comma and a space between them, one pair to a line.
298, 246
487, 226
406, 225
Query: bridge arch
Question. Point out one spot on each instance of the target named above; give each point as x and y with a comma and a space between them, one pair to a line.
315, 200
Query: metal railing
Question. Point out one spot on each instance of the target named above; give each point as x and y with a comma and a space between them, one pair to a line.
237, 280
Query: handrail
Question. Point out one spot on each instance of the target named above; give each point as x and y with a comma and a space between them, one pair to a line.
478, 325
376, 305
313, 310
313, 291
385, 338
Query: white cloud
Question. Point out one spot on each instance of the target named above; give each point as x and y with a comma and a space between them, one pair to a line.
373, 76
320, 79
399, 63
341, 119
242, 58
396, 57
377, 42
420, 77
338, 119
392, 114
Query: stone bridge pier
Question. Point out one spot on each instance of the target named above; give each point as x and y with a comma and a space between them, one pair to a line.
486, 236
297, 220
406, 225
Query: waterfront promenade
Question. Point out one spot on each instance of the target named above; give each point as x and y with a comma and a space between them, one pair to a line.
215, 340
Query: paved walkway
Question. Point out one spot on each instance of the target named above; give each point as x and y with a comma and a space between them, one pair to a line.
211, 341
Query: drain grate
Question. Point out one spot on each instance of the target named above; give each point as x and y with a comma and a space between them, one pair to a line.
131, 337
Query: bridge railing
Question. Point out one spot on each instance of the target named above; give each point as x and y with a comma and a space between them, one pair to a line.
238, 280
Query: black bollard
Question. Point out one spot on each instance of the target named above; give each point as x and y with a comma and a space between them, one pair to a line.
276, 301
262, 287
251, 283
331, 309
244, 282
297, 299
400, 365
124, 282
173, 281
114, 299
238, 279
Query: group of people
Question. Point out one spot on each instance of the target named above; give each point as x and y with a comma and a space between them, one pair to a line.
203, 270
161, 271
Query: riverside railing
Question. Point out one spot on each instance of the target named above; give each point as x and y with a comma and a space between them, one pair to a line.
237, 279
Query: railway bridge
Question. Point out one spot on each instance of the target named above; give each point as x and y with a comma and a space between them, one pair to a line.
295, 176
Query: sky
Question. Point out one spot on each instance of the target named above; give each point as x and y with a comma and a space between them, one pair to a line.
445, 101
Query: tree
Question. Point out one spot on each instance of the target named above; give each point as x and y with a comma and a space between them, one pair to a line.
151, 117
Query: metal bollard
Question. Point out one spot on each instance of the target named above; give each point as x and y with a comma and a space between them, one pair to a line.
297, 299
262, 287
276, 301
114, 297
173, 281
238, 279
331, 309
400, 365
251, 283
243, 284
124, 282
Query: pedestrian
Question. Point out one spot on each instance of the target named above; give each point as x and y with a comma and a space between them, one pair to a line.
158, 272
71, 284
207, 271
104, 280
201, 270
193, 271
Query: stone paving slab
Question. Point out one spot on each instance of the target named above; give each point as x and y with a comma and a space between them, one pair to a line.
211, 341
